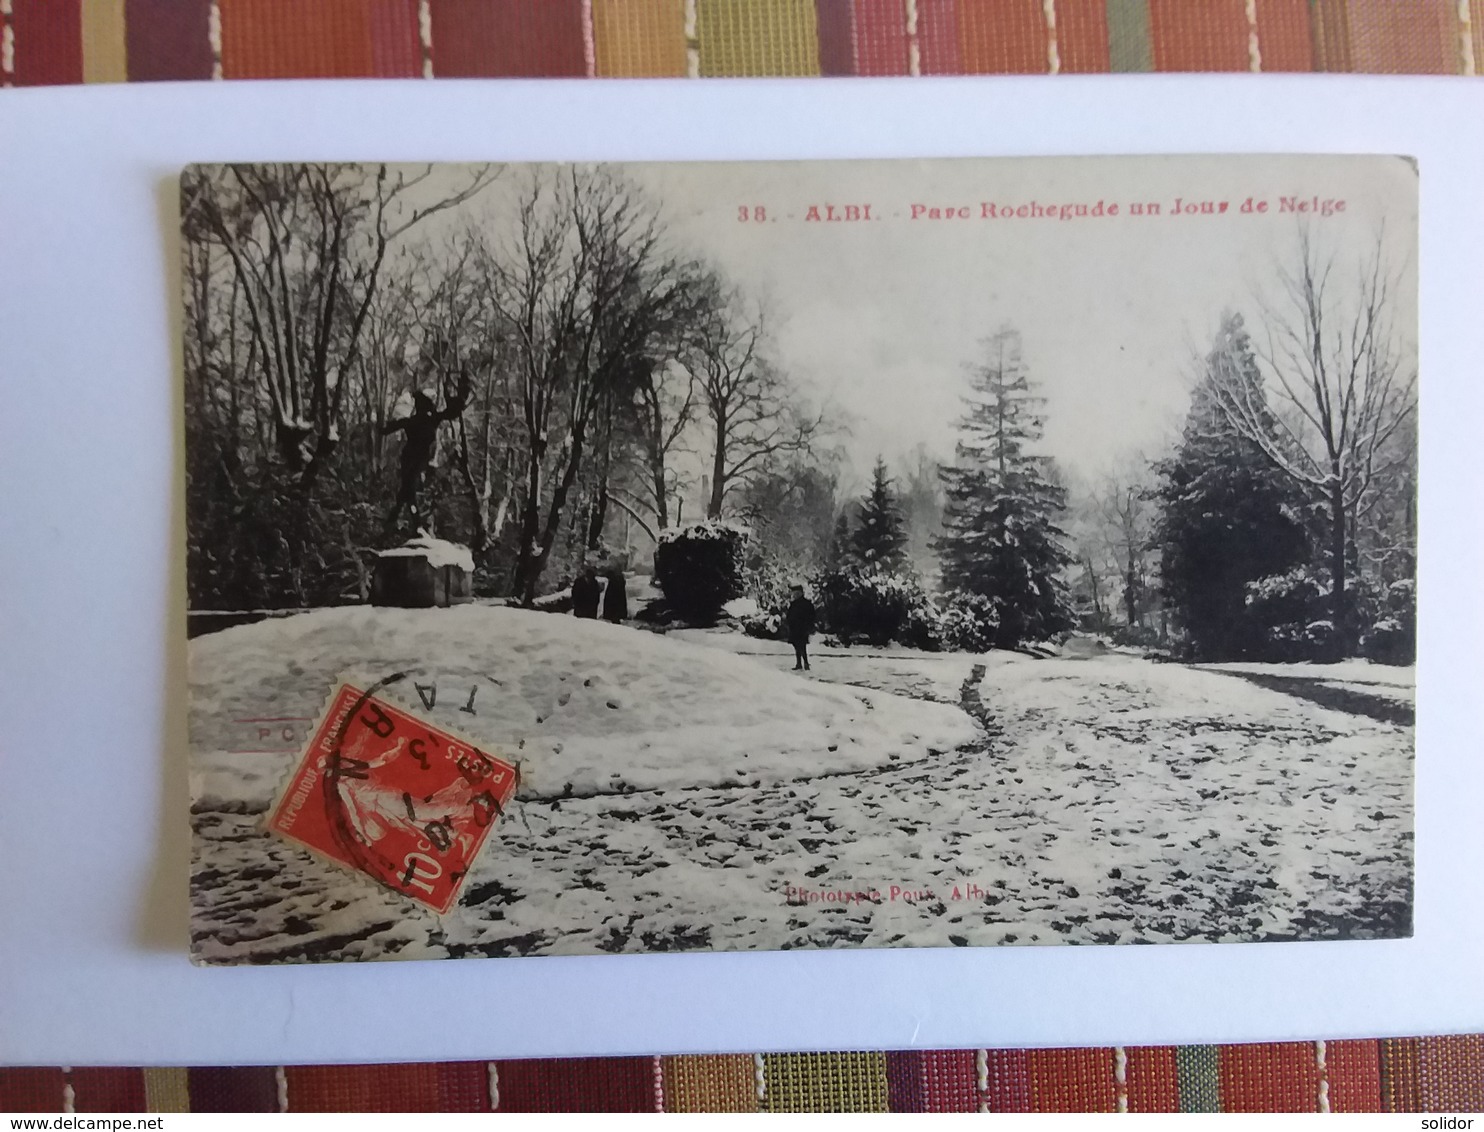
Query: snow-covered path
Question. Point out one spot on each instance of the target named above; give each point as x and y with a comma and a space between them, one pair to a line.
1114, 800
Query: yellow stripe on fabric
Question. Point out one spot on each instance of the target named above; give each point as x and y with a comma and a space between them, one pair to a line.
757, 37
637, 39
710, 1083
105, 55
825, 1082
167, 1090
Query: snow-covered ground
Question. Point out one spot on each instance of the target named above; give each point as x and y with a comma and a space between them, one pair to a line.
1108, 799
582, 706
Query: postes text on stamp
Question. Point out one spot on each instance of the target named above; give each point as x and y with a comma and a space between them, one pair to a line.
389, 795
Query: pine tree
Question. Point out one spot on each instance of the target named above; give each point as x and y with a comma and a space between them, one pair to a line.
1001, 538
1227, 518
841, 551
880, 539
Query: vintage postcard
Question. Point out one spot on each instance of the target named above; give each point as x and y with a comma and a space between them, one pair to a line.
659, 557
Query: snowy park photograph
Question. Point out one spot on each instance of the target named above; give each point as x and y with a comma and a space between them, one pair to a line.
705, 556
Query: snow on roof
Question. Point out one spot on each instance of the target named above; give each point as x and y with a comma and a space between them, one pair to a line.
577, 703
437, 551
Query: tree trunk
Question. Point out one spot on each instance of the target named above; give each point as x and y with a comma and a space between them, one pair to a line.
1337, 565
661, 500
718, 473
529, 561
1131, 590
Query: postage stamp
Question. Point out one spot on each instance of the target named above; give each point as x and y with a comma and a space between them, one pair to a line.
392, 796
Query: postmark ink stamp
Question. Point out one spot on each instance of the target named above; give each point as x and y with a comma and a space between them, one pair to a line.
392, 796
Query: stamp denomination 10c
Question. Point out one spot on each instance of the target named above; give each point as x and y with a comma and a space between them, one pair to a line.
389, 795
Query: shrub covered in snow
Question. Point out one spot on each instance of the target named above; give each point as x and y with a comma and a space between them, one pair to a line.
863, 602
699, 568
923, 628
970, 622
1392, 637
1135, 636
763, 626
1292, 615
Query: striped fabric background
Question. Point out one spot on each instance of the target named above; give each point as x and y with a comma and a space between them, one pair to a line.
1394, 1075
48, 42
74, 41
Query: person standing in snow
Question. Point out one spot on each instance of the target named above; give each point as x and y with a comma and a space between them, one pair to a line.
585, 591
615, 595
800, 622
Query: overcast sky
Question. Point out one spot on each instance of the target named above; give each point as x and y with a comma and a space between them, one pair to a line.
883, 316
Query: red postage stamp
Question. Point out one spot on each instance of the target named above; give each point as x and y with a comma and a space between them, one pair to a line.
390, 795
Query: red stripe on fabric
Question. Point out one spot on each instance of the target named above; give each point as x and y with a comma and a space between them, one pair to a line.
1153, 1079
1272, 1077
1210, 36
1450, 1073
287, 39
578, 1084
396, 48
931, 1081
950, 1080
47, 35
1002, 37
1354, 1072
880, 37
487, 38
1072, 1080
168, 39
836, 37
1082, 36
1285, 35
410, 1087
1412, 38
904, 1091
108, 1090
937, 38
247, 1088
1008, 1076
31, 1090
464, 1086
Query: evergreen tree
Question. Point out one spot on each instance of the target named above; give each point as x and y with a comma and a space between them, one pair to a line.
1227, 518
841, 551
881, 537
1001, 539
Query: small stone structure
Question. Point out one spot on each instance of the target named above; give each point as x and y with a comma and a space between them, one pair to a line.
424, 572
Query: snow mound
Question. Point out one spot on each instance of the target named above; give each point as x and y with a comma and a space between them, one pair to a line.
437, 551
583, 706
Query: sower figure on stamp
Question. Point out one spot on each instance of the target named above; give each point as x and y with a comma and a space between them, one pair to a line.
419, 447
800, 622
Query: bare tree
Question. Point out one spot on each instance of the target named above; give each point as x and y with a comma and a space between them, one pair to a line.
753, 414
667, 405
585, 297
1126, 526
1345, 379
307, 244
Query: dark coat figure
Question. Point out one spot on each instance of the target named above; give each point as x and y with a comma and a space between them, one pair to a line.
616, 596
585, 590
800, 622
